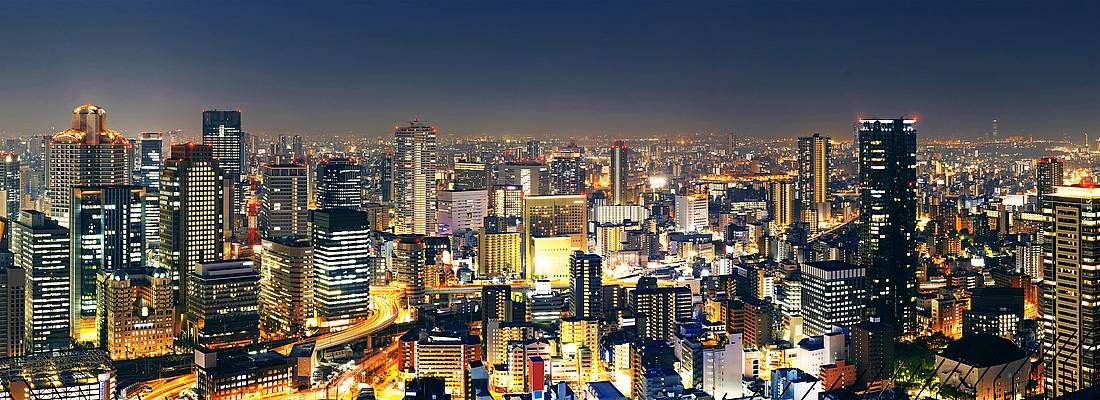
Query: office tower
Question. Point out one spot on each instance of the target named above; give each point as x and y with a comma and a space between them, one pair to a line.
41, 247
692, 214
284, 203
872, 350
554, 226
10, 190
445, 355
191, 213
221, 130
414, 164
462, 210
832, 295
814, 161
506, 201
586, 284
107, 227
544, 305
86, 154
378, 179
136, 317
70, 374
618, 172
888, 217
534, 150
566, 173
12, 301
341, 265
496, 303
781, 203
339, 184
1071, 323
409, 259
532, 177
286, 286
1049, 173
500, 253
470, 176
151, 161
223, 308
296, 148
242, 374
658, 309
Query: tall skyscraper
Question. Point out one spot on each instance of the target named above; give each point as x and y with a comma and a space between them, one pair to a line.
10, 190
832, 295
85, 154
191, 212
618, 172
1049, 173
414, 167
286, 286
284, 203
221, 130
341, 265
781, 203
409, 260
107, 226
586, 284
532, 177
12, 309
223, 307
339, 184
41, 247
566, 173
888, 217
814, 161
1071, 321
151, 161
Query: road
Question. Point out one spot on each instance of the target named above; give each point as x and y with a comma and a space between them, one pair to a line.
385, 300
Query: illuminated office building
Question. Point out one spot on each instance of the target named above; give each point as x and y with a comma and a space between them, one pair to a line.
221, 130
462, 210
414, 179
10, 190
223, 304
506, 201
286, 286
658, 309
107, 226
151, 161
566, 173
409, 260
445, 355
12, 304
554, 226
888, 218
692, 213
812, 184
339, 184
832, 295
191, 213
781, 203
470, 176
284, 203
618, 172
41, 248
88, 153
500, 253
586, 285
341, 265
136, 313
532, 177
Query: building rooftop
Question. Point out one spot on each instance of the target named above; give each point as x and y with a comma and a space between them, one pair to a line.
59, 369
983, 350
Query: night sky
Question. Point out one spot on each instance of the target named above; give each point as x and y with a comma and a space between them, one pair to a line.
555, 67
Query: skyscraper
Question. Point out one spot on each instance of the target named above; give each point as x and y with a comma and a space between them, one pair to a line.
618, 172
286, 286
470, 176
10, 190
339, 184
150, 163
781, 203
341, 265
414, 167
532, 177
136, 313
814, 161
832, 295
221, 130
107, 226
566, 173
85, 154
1049, 173
1071, 322
284, 203
41, 247
586, 284
409, 259
12, 304
191, 211
554, 226
462, 210
888, 217
223, 307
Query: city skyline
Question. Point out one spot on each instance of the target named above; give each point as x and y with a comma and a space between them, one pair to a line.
514, 69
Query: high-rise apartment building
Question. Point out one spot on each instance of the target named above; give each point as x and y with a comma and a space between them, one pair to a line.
500, 253
532, 177
136, 317
814, 161
41, 247
223, 308
618, 172
107, 227
554, 226
832, 295
409, 260
692, 214
286, 286
1070, 318
191, 212
781, 203
13, 281
88, 153
658, 309
566, 173
10, 190
462, 210
339, 184
221, 130
586, 285
284, 203
414, 183
888, 218
341, 265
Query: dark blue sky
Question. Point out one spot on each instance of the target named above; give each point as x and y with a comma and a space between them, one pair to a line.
555, 67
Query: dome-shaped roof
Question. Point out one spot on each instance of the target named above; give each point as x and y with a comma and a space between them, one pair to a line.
119, 275
161, 273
